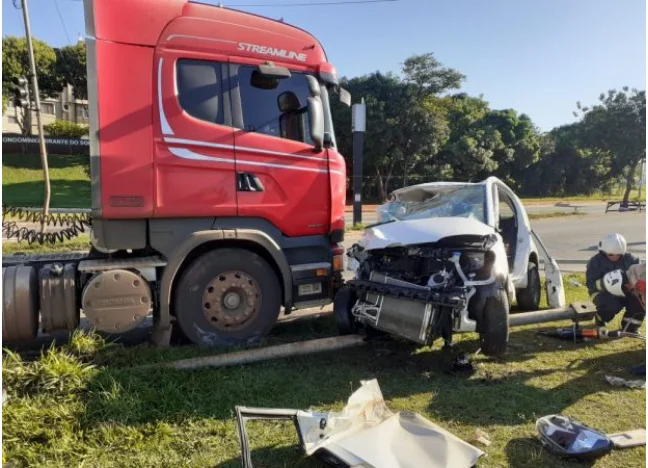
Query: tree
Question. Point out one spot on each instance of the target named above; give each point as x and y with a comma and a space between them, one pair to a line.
468, 152
566, 167
402, 132
15, 63
71, 68
519, 147
617, 125
428, 74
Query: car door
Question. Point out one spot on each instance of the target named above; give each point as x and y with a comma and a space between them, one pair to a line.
516, 219
281, 177
194, 158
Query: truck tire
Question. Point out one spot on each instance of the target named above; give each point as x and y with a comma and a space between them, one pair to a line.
344, 299
227, 297
494, 329
529, 298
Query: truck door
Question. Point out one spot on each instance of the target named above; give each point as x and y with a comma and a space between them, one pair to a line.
194, 163
280, 176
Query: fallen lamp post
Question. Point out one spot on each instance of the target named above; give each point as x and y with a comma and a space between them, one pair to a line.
577, 312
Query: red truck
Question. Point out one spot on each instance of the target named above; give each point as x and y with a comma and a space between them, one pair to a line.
217, 189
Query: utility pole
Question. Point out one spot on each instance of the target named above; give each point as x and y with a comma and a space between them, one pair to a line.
39, 122
359, 125
642, 175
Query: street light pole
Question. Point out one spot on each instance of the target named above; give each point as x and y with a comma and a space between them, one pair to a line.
358, 124
39, 122
641, 177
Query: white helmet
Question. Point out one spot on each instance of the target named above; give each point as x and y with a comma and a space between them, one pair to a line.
613, 244
613, 283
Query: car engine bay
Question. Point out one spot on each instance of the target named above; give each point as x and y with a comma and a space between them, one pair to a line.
421, 292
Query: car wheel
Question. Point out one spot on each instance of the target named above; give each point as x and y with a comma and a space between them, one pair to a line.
529, 298
494, 326
342, 304
227, 297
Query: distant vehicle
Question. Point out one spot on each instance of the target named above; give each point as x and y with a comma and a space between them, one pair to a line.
447, 257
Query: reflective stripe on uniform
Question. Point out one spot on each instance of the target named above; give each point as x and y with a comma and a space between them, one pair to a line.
632, 321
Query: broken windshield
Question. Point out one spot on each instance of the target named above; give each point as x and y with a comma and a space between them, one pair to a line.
464, 202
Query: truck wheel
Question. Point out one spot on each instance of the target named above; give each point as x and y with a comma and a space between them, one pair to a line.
227, 297
342, 303
529, 297
494, 329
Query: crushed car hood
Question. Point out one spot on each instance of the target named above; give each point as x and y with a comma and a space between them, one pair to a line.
421, 231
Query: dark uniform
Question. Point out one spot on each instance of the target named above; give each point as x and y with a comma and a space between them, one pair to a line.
608, 305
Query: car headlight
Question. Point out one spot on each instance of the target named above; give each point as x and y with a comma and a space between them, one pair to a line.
479, 263
473, 261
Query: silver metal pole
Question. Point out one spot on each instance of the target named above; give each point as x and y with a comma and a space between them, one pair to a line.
41, 134
641, 177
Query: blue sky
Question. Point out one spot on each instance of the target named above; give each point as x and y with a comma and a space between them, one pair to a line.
536, 56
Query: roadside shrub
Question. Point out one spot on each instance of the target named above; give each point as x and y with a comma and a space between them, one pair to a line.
57, 372
65, 129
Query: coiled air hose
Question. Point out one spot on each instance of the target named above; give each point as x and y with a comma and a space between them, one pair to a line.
72, 222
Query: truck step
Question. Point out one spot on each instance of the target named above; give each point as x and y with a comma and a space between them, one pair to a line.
103, 264
31, 259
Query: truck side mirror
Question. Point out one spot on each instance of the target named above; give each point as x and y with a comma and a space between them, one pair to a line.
316, 121
345, 97
313, 86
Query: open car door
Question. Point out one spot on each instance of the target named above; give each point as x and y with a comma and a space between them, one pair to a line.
553, 278
513, 225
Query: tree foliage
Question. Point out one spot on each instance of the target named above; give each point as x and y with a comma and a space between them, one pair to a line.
15, 63
401, 132
55, 68
418, 132
71, 68
617, 126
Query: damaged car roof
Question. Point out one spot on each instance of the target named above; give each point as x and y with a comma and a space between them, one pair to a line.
421, 192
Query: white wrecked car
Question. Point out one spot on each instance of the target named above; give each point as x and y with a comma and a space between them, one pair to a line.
446, 258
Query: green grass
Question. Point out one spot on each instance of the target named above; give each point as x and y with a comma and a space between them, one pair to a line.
85, 405
22, 181
554, 214
357, 227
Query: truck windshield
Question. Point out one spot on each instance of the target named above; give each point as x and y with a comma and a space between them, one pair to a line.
279, 107
465, 202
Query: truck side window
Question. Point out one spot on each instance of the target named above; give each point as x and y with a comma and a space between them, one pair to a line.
200, 90
275, 107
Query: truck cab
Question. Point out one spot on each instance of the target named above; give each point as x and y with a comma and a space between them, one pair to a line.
212, 146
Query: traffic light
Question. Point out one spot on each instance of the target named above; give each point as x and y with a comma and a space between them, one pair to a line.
21, 92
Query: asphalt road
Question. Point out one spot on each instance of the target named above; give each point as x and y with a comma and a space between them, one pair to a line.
573, 240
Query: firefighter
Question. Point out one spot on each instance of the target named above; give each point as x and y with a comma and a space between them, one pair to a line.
608, 286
